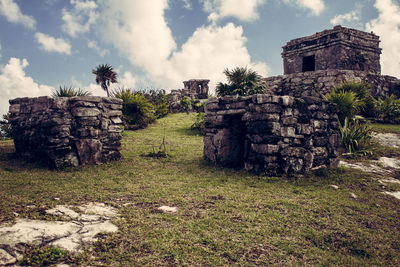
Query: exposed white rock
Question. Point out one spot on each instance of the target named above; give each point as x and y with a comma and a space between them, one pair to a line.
394, 194
334, 186
389, 180
70, 235
371, 168
5, 258
387, 139
99, 209
390, 162
61, 210
353, 195
168, 209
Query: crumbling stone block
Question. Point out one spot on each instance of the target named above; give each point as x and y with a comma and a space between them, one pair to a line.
266, 136
67, 131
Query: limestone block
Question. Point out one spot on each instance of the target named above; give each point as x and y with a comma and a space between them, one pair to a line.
85, 112
265, 149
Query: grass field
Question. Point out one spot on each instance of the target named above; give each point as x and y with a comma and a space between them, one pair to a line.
225, 216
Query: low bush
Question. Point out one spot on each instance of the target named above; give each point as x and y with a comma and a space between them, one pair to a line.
388, 109
199, 122
356, 136
186, 104
5, 127
137, 111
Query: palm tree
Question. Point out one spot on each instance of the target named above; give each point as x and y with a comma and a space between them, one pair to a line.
104, 76
241, 81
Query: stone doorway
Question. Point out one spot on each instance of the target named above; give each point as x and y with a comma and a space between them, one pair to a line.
309, 63
233, 142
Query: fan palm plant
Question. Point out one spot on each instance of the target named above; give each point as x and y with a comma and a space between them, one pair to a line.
241, 81
104, 76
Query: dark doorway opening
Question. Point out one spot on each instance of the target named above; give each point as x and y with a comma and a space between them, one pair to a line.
309, 63
234, 142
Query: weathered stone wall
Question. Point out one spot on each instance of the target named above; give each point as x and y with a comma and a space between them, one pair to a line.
195, 89
319, 83
271, 134
338, 48
67, 131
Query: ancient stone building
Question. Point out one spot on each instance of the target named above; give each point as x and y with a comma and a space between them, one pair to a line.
67, 131
271, 134
313, 65
195, 89
198, 88
339, 48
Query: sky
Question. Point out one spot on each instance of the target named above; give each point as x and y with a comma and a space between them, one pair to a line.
158, 44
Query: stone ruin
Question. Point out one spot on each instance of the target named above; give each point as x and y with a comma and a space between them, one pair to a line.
339, 48
271, 134
194, 89
293, 129
313, 65
67, 131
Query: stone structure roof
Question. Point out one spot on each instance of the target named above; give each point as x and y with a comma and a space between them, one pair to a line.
338, 48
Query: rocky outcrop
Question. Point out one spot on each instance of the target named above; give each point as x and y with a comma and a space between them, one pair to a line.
271, 134
67, 131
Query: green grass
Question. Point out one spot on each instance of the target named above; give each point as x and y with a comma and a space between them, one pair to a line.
386, 128
225, 217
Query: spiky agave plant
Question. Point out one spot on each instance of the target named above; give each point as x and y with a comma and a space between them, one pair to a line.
69, 92
347, 103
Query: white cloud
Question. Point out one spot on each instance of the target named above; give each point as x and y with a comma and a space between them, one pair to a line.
95, 46
15, 83
139, 31
315, 6
353, 16
387, 26
245, 10
82, 16
51, 44
127, 80
350, 19
10, 10
208, 52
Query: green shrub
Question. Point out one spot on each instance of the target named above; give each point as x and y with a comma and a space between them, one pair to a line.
199, 122
161, 110
186, 104
137, 111
241, 81
5, 127
361, 89
347, 103
69, 92
388, 109
356, 136
370, 109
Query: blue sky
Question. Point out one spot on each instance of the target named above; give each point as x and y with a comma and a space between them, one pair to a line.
45, 44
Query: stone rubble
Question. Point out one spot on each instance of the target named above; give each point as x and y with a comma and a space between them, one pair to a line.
271, 134
67, 131
72, 234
